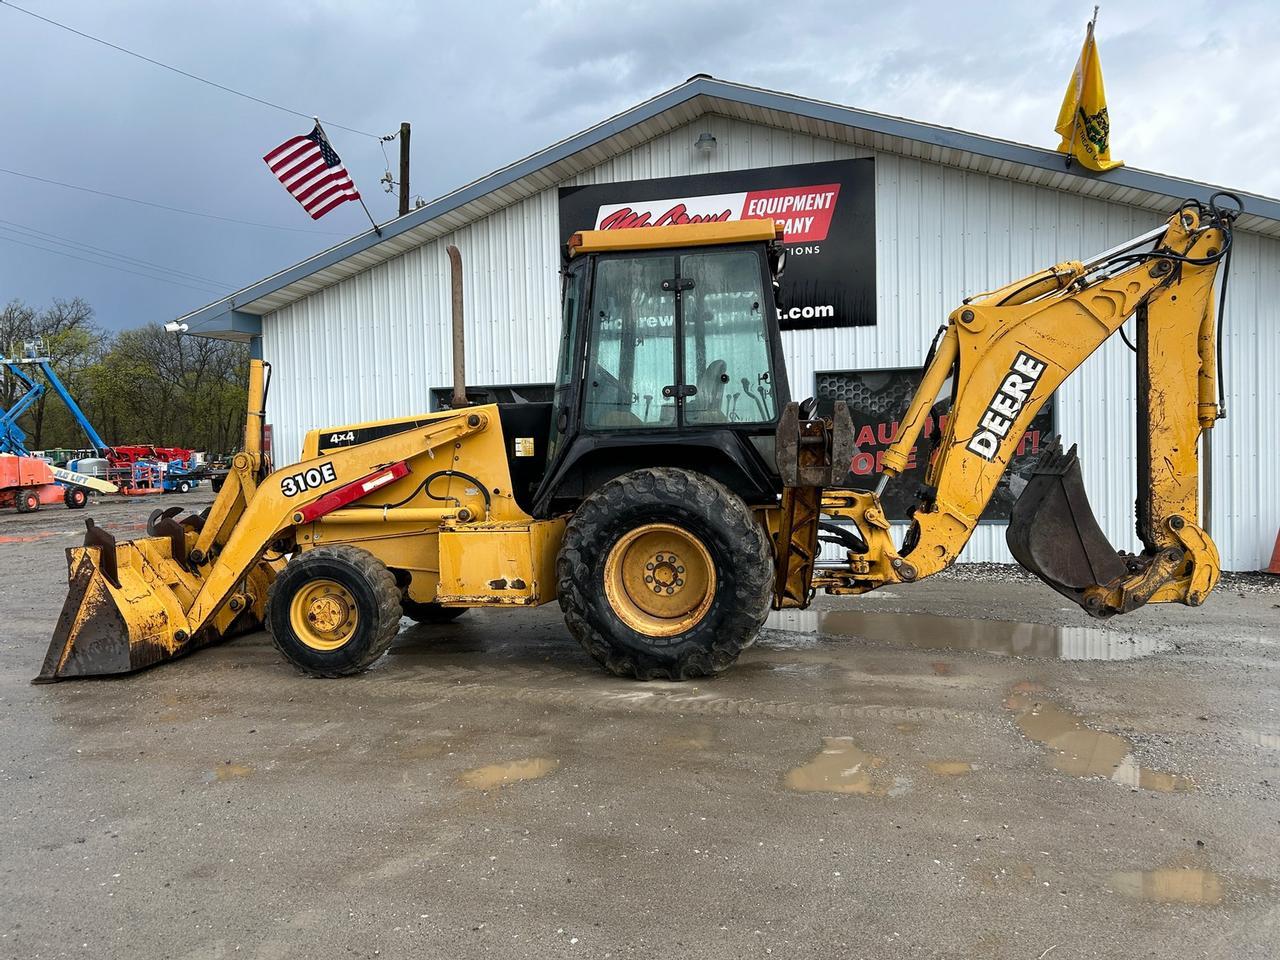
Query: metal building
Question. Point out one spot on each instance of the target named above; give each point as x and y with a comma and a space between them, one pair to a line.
361, 331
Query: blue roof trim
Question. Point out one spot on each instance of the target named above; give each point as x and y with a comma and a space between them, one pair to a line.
224, 322
224, 317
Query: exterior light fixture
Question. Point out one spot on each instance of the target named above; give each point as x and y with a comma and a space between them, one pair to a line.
706, 142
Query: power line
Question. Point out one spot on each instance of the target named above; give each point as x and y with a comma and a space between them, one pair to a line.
45, 237
109, 266
161, 206
184, 73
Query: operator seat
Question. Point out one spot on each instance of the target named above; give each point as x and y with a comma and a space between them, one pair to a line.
708, 403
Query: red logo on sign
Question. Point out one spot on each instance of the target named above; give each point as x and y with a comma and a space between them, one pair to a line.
804, 213
626, 218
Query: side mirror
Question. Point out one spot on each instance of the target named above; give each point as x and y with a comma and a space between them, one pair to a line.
778, 262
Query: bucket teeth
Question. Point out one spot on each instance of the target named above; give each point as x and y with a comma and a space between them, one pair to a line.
163, 524
95, 536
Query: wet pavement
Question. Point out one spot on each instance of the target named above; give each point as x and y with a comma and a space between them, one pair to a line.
954, 769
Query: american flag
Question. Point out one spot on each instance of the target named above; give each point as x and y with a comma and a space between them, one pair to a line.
311, 170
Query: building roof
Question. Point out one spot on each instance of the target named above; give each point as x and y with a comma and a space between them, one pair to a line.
238, 316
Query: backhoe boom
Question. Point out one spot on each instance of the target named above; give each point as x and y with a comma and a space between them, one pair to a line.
1004, 353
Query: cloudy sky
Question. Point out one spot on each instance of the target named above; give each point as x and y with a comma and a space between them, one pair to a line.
1192, 90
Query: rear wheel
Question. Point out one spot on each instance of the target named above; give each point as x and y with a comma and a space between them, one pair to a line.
75, 497
664, 574
27, 501
430, 612
333, 611
184, 486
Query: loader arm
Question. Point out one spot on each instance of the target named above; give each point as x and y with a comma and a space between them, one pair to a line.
1004, 353
140, 602
289, 496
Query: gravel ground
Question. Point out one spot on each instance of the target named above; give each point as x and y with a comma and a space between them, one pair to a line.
966, 767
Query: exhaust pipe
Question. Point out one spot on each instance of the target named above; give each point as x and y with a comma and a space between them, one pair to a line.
459, 341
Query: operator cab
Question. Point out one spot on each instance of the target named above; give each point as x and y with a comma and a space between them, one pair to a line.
670, 355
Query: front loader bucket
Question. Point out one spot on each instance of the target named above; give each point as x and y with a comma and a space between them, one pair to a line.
1053, 533
126, 602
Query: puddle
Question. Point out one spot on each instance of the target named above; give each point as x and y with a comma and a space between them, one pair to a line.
501, 774
1085, 752
230, 771
951, 768
699, 736
423, 750
841, 767
1170, 885
1000, 637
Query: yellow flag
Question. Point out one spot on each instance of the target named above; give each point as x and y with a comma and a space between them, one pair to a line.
1082, 121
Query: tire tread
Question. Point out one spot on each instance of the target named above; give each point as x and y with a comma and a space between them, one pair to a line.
751, 581
387, 597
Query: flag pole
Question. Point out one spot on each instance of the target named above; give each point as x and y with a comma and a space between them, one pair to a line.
376, 229
1071, 145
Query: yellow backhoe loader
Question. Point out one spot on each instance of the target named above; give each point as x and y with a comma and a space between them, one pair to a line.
671, 492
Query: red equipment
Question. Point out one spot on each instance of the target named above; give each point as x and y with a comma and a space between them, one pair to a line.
130, 453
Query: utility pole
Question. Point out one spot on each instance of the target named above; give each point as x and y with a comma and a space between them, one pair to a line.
404, 169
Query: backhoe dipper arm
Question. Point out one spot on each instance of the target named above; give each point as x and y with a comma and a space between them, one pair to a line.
1007, 351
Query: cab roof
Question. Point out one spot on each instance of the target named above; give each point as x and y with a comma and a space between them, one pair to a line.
682, 235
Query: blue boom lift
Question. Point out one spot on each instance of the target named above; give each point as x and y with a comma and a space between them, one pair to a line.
13, 439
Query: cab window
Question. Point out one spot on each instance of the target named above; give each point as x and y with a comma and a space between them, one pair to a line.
726, 347
631, 355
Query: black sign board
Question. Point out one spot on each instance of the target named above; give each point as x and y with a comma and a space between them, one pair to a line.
827, 210
877, 399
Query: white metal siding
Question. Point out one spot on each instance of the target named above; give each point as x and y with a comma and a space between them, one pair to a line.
373, 345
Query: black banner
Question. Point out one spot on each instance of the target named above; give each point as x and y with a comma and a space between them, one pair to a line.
827, 210
877, 398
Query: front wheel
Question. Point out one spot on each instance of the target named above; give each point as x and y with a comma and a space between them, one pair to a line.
664, 574
184, 486
75, 498
27, 501
333, 611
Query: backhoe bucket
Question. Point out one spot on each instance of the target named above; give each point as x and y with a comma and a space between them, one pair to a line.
1053, 533
126, 602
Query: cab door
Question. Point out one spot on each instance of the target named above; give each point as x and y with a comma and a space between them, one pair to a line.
630, 373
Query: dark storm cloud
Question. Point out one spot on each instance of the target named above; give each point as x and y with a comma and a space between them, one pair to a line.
1190, 89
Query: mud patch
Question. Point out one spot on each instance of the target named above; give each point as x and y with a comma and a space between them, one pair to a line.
841, 767
1187, 885
1082, 751
229, 771
502, 774
950, 768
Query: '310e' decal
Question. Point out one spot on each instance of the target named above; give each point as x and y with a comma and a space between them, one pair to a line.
298, 483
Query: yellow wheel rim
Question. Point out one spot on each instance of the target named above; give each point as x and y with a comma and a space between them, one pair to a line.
659, 580
323, 615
